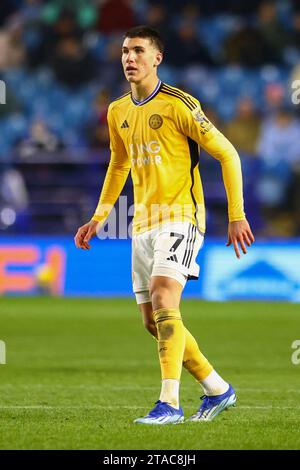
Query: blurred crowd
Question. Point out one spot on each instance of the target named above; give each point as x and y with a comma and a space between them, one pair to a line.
60, 62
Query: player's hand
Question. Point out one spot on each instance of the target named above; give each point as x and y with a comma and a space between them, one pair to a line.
84, 234
239, 232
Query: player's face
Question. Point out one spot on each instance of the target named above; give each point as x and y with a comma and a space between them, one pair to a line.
139, 59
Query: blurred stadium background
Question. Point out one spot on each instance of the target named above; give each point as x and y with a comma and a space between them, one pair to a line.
60, 63
80, 370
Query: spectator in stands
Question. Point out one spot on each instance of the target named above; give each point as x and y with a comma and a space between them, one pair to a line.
29, 14
295, 45
7, 8
12, 52
157, 18
244, 129
274, 36
295, 196
50, 34
72, 63
4, 50
280, 137
279, 150
295, 33
40, 140
183, 47
274, 98
190, 12
110, 64
97, 129
236, 6
245, 47
256, 45
115, 16
83, 11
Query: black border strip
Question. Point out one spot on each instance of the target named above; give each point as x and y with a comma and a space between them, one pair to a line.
189, 459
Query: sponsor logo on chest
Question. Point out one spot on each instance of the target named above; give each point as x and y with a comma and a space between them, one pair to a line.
145, 153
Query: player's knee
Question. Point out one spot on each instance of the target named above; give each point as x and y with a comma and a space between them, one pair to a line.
161, 297
165, 292
158, 286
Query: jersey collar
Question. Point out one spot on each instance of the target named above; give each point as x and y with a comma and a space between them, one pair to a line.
154, 93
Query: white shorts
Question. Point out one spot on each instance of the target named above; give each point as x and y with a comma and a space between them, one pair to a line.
169, 250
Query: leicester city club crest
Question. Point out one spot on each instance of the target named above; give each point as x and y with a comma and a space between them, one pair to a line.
155, 121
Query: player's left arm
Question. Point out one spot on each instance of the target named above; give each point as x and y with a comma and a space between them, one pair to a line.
200, 129
239, 231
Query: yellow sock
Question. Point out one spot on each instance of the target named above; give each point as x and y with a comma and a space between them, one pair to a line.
193, 359
171, 342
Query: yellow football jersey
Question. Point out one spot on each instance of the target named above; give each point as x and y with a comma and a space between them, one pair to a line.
158, 139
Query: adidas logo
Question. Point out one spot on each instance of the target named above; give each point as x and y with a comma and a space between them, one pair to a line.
124, 125
173, 258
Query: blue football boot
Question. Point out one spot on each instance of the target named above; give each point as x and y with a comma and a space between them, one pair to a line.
211, 406
162, 413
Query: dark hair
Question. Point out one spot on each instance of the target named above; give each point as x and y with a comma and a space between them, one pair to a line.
147, 33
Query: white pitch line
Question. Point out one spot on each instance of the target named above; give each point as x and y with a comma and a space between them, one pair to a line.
135, 388
269, 407
49, 407
100, 407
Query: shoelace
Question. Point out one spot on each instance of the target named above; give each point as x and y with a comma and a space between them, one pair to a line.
206, 402
157, 409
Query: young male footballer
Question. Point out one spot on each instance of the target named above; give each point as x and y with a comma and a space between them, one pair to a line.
156, 131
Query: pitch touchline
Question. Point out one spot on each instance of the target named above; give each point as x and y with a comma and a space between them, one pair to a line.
49, 407
130, 387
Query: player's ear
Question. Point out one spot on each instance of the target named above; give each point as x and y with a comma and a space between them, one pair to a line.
158, 59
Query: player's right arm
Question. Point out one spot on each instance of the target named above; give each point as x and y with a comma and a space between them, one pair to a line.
115, 178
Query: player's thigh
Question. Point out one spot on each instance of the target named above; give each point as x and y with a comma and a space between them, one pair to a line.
175, 251
142, 264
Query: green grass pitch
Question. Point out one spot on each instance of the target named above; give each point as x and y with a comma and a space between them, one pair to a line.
80, 370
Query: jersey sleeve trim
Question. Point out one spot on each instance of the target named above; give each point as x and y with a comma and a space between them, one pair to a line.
178, 94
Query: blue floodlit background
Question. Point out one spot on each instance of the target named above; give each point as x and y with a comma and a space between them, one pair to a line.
60, 68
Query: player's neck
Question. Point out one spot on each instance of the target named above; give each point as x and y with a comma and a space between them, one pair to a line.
141, 91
